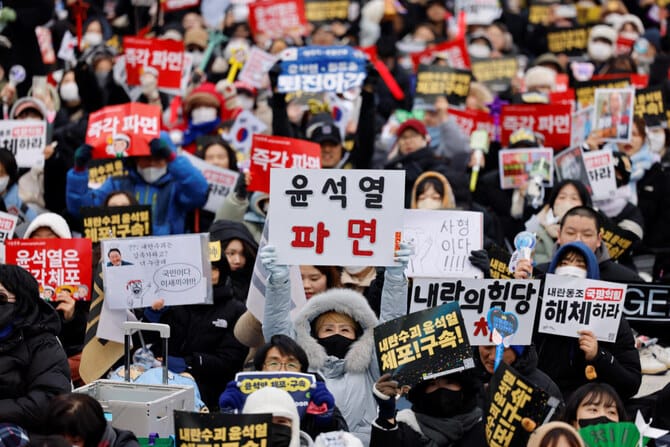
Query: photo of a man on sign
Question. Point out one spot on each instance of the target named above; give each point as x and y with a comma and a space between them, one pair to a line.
612, 114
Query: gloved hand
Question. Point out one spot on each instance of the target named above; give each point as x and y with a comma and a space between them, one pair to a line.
161, 148
278, 273
177, 364
273, 74
232, 399
385, 391
82, 156
402, 256
241, 187
372, 76
480, 260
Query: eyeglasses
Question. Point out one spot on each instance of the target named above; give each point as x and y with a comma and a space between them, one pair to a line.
276, 366
5, 298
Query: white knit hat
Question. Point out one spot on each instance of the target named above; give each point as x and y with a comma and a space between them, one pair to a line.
603, 32
337, 439
540, 76
278, 403
52, 221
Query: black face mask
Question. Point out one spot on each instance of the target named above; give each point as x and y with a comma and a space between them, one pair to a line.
441, 403
336, 345
594, 421
7, 311
281, 435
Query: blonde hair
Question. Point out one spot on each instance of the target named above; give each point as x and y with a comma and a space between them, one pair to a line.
334, 317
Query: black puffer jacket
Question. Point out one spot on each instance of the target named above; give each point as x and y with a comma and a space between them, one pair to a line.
33, 366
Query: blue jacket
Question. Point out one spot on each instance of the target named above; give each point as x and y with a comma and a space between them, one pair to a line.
182, 189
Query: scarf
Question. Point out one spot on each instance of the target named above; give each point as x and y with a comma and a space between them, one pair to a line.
444, 432
197, 130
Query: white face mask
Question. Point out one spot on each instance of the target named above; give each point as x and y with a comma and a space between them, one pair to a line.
93, 38
479, 50
201, 115
4, 181
245, 102
151, 174
69, 92
570, 270
600, 51
630, 35
429, 204
656, 140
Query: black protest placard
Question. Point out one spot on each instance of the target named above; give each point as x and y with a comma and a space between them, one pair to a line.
499, 262
570, 41
585, 90
101, 168
495, 73
618, 240
422, 345
116, 222
320, 12
218, 429
650, 105
433, 81
515, 403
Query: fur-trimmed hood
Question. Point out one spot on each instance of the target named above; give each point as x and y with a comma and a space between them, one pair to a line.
346, 302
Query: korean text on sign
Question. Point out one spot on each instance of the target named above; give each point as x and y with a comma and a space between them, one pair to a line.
336, 216
517, 166
164, 55
571, 304
116, 222
222, 430
26, 140
600, 171
476, 297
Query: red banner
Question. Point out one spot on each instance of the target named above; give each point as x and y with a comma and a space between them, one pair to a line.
277, 18
278, 152
457, 55
58, 265
124, 130
176, 5
550, 120
164, 55
471, 120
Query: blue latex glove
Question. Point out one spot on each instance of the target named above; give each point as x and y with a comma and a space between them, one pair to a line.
278, 272
177, 364
232, 399
321, 396
401, 256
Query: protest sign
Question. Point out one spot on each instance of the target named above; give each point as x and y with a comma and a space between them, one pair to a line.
123, 130
496, 73
99, 170
613, 114
319, 12
471, 120
550, 120
298, 385
588, 14
648, 303
246, 125
219, 429
570, 304
650, 105
581, 126
256, 67
277, 18
454, 50
7, 225
585, 90
475, 298
518, 166
321, 69
174, 268
442, 241
618, 240
499, 262
166, 56
26, 140
336, 216
176, 5
116, 222
58, 265
433, 81
269, 152
479, 12
600, 170
571, 41
538, 12
423, 345
566, 96
515, 403
221, 182
570, 166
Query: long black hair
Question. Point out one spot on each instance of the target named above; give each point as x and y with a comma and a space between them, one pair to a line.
23, 285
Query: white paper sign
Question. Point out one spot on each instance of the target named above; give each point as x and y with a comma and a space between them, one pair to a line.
336, 216
571, 304
479, 12
174, 268
256, 67
7, 226
600, 170
221, 181
442, 241
26, 140
613, 113
476, 297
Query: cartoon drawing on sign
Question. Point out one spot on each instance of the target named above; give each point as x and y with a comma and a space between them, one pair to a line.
136, 289
503, 326
420, 239
118, 145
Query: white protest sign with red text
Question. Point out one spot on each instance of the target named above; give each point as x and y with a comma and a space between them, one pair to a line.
26, 140
600, 169
551, 120
124, 130
269, 152
176, 5
54, 263
276, 18
336, 216
7, 225
221, 181
165, 55
256, 67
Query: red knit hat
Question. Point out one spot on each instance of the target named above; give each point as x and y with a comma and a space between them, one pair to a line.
414, 124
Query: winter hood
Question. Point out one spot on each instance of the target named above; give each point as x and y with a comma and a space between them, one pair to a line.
592, 269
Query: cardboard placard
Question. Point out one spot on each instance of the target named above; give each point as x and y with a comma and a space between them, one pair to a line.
495, 73
570, 41
479, 12
26, 140
581, 126
174, 268
570, 304
318, 12
433, 81
553, 121
423, 345
101, 169
650, 105
336, 216
517, 166
116, 222
7, 226
321, 69
298, 385
165, 55
471, 120
499, 262
219, 429
221, 182
277, 18
58, 265
613, 114
256, 67
570, 166
454, 50
600, 170
617, 240
585, 91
